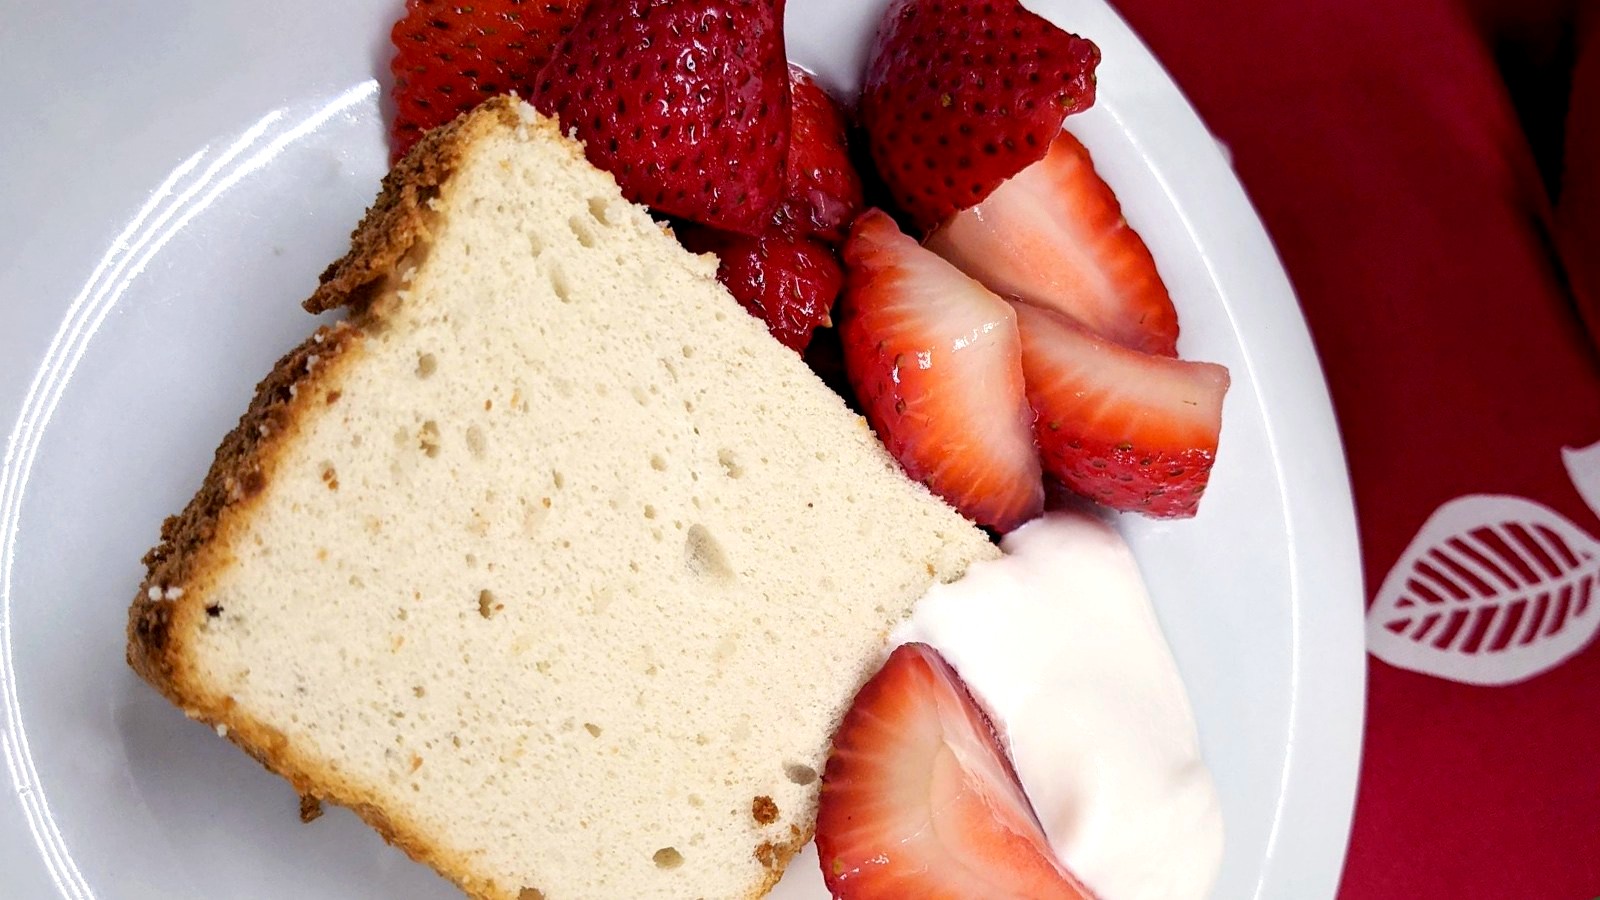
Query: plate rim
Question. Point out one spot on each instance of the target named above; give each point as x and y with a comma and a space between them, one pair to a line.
1306, 856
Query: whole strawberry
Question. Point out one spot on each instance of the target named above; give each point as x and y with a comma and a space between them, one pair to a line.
450, 56
960, 96
685, 104
788, 283
823, 194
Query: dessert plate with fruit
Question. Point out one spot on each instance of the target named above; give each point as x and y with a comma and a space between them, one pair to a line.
853, 448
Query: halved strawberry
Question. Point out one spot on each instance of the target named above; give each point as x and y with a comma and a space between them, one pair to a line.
1054, 235
451, 56
935, 361
788, 283
685, 104
823, 194
1130, 430
918, 800
960, 96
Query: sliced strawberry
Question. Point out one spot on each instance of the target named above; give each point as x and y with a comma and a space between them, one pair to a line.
936, 363
918, 800
685, 104
960, 96
1133, 431
1054, 235
451, 56
789, 283
823, 194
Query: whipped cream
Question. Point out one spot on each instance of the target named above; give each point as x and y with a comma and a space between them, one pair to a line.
1059, 644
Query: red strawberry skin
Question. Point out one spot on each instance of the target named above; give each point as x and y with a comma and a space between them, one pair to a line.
788, 283
935, 361
823, 195
959, 96
450, 56
919, 801
1054, 235
685, 104
1130, 430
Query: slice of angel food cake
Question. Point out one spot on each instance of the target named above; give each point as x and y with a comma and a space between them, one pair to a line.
548, 560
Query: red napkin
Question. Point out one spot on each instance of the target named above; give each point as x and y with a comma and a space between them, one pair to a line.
1578, 216
1380, 144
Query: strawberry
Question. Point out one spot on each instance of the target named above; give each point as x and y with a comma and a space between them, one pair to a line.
918, 800
787, 276
1133, 431
685, 104
936, 364
789, 283
960, 96
1054, 235
450, 56
823, 194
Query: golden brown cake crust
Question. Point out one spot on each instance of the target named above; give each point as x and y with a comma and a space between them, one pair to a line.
194, 544
397, 223
399, 219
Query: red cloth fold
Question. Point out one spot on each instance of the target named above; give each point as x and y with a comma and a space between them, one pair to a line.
1380, 145
1578, 214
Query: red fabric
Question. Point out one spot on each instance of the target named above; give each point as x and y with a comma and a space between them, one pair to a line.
1380, 144
1578, 215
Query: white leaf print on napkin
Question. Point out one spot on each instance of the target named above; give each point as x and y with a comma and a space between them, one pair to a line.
1493, 590
1583, 467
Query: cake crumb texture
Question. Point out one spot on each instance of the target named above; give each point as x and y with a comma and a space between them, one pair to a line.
548, 559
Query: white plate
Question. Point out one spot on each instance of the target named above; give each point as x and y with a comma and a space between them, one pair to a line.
175, 175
